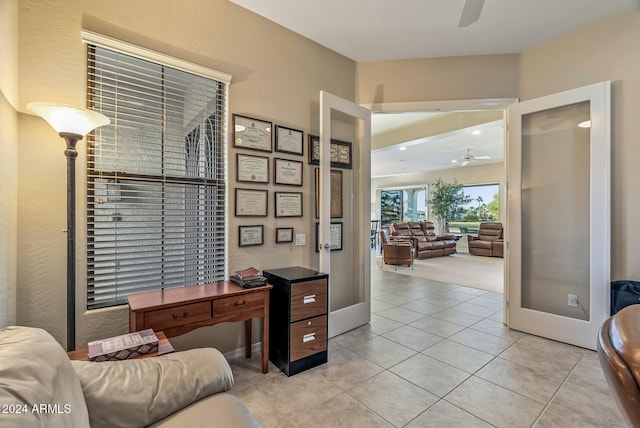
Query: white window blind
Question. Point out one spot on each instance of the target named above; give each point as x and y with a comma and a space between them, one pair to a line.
155, 178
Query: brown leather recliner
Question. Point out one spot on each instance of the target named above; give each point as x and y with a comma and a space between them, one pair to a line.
396, 251
426, 242
619, 354
489, 241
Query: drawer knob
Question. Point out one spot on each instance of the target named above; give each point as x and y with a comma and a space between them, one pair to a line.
184, 315
309, 299
308, 337
240, 303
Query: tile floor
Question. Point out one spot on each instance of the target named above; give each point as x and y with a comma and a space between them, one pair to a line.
434, 355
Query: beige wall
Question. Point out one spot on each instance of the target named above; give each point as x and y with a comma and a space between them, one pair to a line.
606, 51
437, 79
277, 75
8, 159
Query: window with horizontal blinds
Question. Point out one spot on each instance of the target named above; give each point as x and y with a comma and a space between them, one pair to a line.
155, 178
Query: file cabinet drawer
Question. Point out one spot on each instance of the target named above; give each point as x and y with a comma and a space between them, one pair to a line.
308, 299
308, 337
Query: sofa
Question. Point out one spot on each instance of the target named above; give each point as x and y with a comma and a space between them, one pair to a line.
427, 244
40, 387
489, 241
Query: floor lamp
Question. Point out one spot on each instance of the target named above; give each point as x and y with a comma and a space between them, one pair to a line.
72, 124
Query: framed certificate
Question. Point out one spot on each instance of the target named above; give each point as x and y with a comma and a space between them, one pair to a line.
252, 169
251, 203
288, 204
289, 140
250, 235
288, 172
336, 193
335, 230
250, 133
284, 234
341, 153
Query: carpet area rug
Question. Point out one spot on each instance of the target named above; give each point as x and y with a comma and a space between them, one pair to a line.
485, 273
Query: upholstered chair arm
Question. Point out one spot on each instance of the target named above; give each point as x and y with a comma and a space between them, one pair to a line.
135, 393
472, 238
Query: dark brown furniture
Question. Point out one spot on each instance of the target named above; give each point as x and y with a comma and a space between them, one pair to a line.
619, 354
299, 302
489, 241
179, 310
425, 241
164, 347
396, 251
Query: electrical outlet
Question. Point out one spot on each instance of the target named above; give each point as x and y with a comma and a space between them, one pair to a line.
300, 239
572, 300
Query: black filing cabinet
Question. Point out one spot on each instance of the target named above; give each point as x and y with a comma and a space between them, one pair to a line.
297, 318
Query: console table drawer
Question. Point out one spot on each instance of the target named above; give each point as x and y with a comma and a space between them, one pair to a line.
237, 308
162, 319
308, 299
308, 337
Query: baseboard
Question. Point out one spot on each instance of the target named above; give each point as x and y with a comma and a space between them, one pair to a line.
256, 348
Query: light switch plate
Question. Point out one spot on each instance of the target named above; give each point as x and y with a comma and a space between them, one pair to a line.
300, 239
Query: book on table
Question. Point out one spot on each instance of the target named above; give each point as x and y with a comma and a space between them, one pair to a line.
124, 346
249, 277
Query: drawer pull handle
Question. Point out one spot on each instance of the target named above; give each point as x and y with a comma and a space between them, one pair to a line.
308, 337
309, 299
184, 315
240, 303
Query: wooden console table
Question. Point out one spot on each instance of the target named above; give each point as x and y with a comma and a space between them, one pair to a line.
179, 310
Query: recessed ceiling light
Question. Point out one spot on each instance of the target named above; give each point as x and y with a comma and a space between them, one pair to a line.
402, 148
585, 124
476, 132
454, 161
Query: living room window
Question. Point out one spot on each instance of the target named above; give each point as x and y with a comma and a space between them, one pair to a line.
155, 177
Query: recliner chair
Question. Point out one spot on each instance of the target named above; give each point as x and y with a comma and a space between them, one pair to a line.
489, 241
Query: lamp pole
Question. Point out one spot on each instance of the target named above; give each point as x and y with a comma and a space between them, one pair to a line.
71, 153
72, 124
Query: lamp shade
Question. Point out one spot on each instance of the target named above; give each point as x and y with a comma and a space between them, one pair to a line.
67, 118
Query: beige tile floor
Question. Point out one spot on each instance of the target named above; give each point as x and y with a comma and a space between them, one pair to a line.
434, 355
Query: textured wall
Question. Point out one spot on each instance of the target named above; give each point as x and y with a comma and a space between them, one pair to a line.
8, 159
277, 75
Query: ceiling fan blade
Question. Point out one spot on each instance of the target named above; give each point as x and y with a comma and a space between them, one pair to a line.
470, 12
482, 157
465, 163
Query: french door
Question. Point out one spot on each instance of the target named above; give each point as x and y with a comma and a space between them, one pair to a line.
558, 207
344, 217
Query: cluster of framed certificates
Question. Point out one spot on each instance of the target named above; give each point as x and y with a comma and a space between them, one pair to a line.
255, 169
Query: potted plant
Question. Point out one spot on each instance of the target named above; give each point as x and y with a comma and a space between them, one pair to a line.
446, 200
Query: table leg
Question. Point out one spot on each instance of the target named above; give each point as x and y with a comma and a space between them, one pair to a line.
265, 334
247, 338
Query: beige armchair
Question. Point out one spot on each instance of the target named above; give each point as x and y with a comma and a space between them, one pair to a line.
180, 389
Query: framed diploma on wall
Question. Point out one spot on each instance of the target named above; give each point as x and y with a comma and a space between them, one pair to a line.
287, 172
289, 140
252, 169
288, 204
251, 235
284, 234
250, 133
251, 203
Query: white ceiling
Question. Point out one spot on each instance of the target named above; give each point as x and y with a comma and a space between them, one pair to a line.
372, 30
438, 152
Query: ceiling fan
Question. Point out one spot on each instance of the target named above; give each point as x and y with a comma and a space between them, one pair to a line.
470, 12
470, 158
